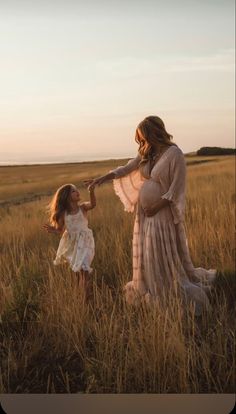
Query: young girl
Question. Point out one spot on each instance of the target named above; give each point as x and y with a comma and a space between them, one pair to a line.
69, 217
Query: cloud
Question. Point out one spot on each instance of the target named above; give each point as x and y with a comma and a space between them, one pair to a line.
127, 67
220, 62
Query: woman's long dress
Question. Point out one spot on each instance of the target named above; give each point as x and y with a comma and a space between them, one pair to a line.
161, 258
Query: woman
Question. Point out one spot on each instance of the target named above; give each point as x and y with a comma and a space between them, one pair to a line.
155, 181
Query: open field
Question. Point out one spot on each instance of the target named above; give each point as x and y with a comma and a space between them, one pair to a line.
51, 342
22, 183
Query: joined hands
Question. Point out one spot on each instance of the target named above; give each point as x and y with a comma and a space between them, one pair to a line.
92, 183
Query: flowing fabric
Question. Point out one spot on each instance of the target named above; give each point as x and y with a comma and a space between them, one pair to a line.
76, 246
161, 259
127, 188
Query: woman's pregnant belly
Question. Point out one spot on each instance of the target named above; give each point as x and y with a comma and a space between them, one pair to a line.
150, 193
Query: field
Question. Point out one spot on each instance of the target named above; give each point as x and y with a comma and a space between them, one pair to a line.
50, 342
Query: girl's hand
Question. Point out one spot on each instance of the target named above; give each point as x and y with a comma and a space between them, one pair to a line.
49, 229
91, 188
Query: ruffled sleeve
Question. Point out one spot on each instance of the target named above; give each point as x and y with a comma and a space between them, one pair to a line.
127, 183
176, 191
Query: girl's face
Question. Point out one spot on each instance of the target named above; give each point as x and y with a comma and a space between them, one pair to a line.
74, 194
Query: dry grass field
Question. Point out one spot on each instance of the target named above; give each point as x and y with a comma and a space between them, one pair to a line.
50, 342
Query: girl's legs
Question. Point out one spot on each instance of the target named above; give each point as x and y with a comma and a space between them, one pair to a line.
85, 284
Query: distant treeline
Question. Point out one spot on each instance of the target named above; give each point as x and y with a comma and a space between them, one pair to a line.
216, 151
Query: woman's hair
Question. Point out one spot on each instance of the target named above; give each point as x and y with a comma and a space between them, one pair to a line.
153, 131
59, 203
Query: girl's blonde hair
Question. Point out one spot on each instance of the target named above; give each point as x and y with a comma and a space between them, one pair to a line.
153, 131
59, 204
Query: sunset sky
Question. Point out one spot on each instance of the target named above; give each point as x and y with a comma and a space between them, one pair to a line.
76, 77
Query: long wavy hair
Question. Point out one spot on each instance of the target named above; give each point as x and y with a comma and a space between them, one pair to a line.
59, 204
153, 132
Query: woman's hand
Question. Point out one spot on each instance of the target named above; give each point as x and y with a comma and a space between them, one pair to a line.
150, 211
94, 182
100, 180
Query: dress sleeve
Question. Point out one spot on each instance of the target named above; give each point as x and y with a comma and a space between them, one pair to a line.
127, 183
176, 191
128, 168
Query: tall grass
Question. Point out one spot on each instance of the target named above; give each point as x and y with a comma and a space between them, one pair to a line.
51, 341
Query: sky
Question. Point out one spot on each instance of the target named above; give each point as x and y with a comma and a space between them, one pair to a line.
76, 77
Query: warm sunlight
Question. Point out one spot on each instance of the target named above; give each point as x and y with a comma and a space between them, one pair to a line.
76, 79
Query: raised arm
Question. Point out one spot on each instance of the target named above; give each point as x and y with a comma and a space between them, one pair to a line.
128, 168
117, 172
89, 205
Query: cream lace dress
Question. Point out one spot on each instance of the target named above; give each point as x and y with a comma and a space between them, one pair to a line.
161, 258
76, 246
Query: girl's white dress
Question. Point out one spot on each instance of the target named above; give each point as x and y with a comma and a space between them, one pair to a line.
161, 256
76, 246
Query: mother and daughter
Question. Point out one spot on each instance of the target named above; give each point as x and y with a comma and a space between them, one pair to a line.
153, 183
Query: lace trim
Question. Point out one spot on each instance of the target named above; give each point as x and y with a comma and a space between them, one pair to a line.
128, 205
127, 189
